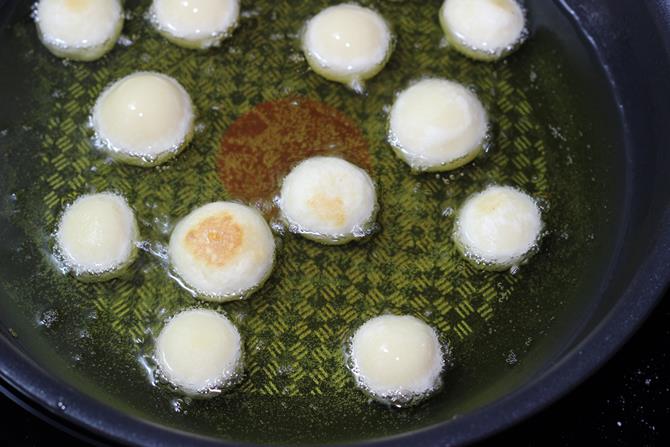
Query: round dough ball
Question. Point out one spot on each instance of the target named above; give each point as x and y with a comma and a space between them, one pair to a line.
97, 236
79, 29
397, 359
437, 125
195, 23
223, 250
144, 119
498, 228
199, 350
484, 29
347, 43
329, 200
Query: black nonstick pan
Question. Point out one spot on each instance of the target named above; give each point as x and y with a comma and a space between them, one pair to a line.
581, 120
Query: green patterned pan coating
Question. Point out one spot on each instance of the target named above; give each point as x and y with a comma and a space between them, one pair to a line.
501, 327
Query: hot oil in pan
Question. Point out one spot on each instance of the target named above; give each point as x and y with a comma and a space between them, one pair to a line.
501, 327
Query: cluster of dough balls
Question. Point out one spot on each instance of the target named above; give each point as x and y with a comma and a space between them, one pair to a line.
347, 43
222, 250
86, 30
398, 360
350, 44
226, 250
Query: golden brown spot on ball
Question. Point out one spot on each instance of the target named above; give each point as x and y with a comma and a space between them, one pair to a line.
77, 5
490, 202
504, 4
215, 240
329, 209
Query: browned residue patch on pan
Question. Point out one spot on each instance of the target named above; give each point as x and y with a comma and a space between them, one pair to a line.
261, 146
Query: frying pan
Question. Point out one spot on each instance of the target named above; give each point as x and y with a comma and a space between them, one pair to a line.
580, 119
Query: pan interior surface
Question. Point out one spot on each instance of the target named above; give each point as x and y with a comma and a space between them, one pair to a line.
555, 134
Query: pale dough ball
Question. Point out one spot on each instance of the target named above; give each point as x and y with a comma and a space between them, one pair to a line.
79, 29
223, 250
329, 200
347, 43
397, 358
97, 235
144, 118
498, 227
437, 125
199, 350
195, 23
483, 29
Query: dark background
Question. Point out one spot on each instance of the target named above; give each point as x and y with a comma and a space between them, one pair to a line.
626, 403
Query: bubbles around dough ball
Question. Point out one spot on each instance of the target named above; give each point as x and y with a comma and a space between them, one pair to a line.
97, 236
222, 250
144, 118
498, 227
199, 350
397, 359
329, 200
347, 43
437, 125
79, 29
483, 29
195, 23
